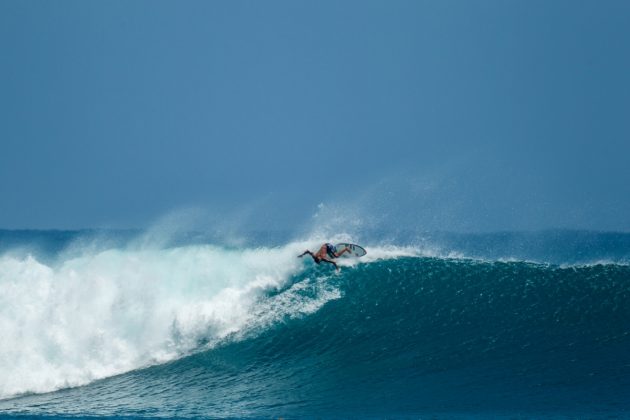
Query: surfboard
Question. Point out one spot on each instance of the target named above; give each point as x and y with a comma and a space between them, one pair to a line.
354, 250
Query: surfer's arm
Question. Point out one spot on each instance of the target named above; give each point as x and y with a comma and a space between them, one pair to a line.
304, 253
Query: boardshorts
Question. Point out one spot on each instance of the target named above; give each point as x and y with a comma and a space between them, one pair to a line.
331, 250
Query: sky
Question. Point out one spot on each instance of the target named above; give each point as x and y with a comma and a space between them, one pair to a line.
433, 115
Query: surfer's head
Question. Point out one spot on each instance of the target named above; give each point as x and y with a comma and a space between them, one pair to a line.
317, 259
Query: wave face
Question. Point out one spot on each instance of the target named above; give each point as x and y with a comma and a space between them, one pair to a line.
208, 331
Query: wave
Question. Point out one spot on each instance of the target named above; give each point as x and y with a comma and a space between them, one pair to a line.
97, 315
403, 335
255, 331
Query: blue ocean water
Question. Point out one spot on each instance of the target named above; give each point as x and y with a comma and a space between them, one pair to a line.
429, 325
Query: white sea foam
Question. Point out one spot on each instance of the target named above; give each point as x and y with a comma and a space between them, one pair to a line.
106, 313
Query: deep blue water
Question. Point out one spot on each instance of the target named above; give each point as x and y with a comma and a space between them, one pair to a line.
508, 333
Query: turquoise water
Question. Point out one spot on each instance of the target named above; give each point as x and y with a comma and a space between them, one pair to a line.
115, 327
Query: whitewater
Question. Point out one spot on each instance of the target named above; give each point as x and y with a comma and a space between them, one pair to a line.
198, 329
98, 315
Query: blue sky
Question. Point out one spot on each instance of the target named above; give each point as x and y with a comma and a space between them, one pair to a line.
450, 115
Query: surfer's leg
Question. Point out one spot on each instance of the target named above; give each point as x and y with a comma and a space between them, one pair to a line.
345, 249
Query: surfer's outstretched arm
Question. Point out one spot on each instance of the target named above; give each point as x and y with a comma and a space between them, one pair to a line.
304, 253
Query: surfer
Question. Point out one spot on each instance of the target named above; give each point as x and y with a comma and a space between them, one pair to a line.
326, 253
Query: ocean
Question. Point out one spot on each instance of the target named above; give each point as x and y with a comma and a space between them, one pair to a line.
426, 325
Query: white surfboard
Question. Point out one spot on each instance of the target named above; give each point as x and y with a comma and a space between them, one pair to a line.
353, 250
